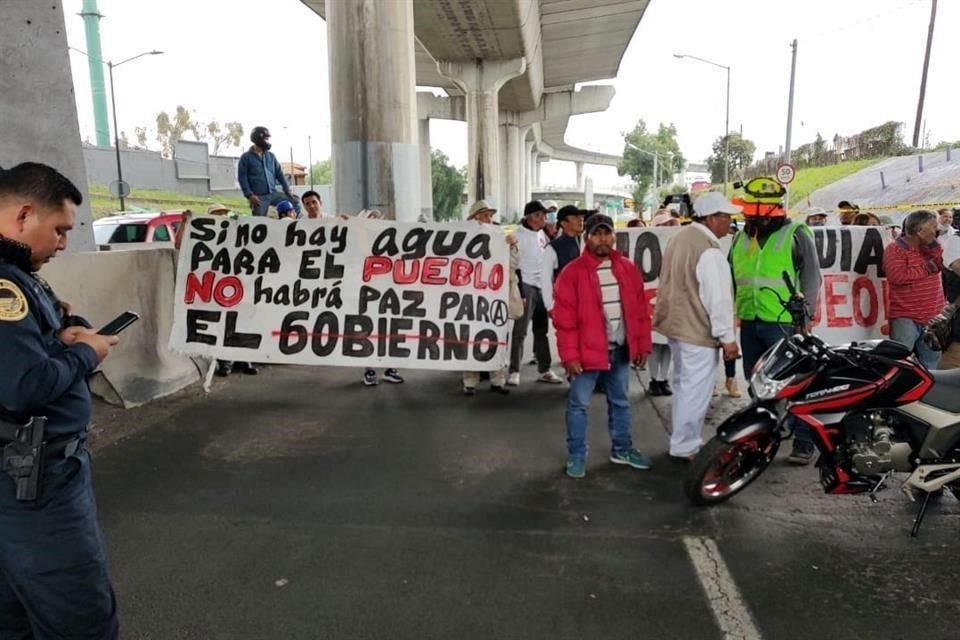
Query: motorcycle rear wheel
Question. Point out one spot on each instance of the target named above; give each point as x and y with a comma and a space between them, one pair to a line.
723, 469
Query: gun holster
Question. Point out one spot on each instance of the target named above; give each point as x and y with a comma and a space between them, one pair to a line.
23, 457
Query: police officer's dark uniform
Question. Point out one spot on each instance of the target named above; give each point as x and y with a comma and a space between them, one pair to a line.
53, 575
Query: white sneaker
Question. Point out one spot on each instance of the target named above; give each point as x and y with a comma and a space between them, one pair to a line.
550, 377
513, 379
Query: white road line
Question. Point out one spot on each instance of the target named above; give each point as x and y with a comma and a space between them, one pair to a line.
727, 604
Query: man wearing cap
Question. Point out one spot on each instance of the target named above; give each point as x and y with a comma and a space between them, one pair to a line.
550, 229
562, 250
602, 320
847, 211
770, 245
815, 216
482, 213
285, 209
695, 312
531, 242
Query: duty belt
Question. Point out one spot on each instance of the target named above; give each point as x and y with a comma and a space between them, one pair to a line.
24, 450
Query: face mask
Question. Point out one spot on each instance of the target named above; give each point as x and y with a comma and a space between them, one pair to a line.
552, 218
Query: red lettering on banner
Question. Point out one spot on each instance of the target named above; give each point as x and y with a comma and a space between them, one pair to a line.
496, 276
460, 272
885, 292
197, 287
832, 299
226, 292
406, 277
376, 266
860, 285
431, 271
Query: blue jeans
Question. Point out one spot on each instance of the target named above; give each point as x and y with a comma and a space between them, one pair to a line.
618, 405
271, 200
909, 333
755, 339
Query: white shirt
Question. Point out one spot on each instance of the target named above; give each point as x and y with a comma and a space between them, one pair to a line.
716, 289
548, 265
530, 245
951, 248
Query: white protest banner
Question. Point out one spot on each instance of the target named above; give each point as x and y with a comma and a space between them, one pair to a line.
357, 293
853, 294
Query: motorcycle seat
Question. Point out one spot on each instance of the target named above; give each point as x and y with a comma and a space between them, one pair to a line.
945, 392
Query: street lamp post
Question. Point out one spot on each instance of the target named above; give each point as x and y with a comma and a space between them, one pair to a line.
726, 126
113, 106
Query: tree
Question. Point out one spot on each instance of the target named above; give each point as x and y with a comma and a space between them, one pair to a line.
141, 133
170, 130
639, 165
741, 156
448, 182
227, 136
321, 173
819, 151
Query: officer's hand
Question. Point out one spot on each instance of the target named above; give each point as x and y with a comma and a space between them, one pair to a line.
100, 344
69, 335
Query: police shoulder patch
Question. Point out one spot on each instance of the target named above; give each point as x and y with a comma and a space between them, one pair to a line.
13, 304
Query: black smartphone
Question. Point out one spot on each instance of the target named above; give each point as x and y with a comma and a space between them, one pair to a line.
118, 324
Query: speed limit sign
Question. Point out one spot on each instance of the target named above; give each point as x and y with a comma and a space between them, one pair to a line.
786, 173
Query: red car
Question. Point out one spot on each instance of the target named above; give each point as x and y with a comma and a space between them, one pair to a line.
122, 228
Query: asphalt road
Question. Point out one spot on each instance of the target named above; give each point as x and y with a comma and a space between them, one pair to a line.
301, 505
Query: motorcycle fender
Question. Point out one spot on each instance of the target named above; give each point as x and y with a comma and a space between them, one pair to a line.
747, 423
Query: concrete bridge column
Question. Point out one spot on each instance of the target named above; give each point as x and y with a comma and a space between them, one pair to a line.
426, 171
37, 104
579, 166
480, 82
536, 171
528, 169
373, 109
511, 169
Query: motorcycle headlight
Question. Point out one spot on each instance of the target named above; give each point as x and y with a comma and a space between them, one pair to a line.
764, 388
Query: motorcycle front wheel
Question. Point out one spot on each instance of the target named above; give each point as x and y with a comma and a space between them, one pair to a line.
723, 469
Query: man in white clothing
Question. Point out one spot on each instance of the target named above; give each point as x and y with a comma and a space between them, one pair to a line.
531, 242
695, 311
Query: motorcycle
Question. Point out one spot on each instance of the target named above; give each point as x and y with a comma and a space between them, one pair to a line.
872, 408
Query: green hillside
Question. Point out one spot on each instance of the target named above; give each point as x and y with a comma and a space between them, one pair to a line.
102, 203
809, 180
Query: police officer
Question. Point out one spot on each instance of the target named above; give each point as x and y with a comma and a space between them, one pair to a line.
53, 573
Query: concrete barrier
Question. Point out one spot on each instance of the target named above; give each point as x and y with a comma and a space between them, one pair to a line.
101, 286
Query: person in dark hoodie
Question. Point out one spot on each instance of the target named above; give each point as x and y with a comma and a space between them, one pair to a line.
259, 174
562, 250
769, 245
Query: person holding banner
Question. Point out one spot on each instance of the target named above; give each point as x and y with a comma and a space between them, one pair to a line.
695, 312
912, 264
602, 320
482, 213
769, 246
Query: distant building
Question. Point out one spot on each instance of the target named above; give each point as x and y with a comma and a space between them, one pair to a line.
695, 173
296, 177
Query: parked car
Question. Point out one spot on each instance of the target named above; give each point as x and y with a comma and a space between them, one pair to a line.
121, 228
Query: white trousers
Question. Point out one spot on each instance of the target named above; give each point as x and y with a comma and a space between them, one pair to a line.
498, 377
658, 364
694, 375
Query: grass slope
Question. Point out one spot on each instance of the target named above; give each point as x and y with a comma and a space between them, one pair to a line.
809, 180
102, 203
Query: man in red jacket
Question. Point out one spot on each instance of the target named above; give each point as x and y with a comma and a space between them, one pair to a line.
602, 319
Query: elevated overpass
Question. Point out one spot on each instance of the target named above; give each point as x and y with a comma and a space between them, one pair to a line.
508, 68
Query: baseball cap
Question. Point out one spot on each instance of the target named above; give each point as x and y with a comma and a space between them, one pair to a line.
568, 211
479, 207
596, 221
284, 206
812, 212
550, 205
713, 202
662, 219
534, 206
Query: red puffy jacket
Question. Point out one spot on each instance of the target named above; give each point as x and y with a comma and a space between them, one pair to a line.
578, 312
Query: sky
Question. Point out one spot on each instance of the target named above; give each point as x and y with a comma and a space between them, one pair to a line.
265, 62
